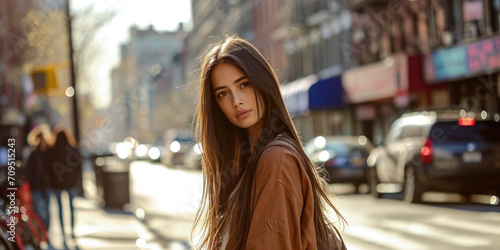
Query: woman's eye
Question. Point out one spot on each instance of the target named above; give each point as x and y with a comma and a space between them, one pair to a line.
245, 84
221, 94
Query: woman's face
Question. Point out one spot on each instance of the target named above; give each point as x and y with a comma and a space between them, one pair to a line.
235, 96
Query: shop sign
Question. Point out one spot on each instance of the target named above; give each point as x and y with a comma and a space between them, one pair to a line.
473, 10
377, 81
463, 61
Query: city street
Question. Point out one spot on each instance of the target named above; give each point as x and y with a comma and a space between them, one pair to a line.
169, 198
166, 199
393, 224
105, 97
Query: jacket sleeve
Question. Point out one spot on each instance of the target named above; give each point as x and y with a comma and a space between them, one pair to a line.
277, 202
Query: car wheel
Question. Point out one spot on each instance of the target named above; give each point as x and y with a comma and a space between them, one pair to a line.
373, 182
412, 191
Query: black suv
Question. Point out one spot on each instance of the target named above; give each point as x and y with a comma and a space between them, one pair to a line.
444, 151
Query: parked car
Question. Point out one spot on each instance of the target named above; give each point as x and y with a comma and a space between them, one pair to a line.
343, 157
192, 157
176, 145
443, 151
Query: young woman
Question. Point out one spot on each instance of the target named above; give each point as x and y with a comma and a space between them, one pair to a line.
35, 171
65, 173
261, 191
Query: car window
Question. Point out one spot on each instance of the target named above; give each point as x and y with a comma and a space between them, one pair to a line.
485, 131
342, 148
394, 134
413, 131
184, 140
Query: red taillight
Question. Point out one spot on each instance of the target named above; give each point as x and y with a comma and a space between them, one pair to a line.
466, 121
426, 152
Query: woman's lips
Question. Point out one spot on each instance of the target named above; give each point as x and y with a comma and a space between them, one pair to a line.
243, 114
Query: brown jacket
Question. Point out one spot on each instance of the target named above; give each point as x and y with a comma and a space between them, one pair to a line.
282, 202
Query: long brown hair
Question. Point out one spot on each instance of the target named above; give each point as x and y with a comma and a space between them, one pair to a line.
227, 159
62, 137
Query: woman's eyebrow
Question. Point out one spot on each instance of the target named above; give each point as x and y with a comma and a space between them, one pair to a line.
237, 80
221, 87
241, 78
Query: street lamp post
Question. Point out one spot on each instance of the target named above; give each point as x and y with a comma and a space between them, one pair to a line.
76, 127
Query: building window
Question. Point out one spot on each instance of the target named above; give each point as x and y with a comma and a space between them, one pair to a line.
473, 14
386, 43
395, 35
437, 22
308, 57
495, 14
403, 38
453, 15
326, 51
423, 33
336, 51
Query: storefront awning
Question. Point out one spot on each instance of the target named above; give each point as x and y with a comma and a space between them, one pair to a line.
326, 93
309, 93
296, 94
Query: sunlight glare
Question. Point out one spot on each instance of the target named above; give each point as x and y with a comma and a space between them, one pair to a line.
320, 142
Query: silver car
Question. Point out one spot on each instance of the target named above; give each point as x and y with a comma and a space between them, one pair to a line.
443, 151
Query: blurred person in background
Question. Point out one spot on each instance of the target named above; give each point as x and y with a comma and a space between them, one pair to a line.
65, 172
36, 171
261, 191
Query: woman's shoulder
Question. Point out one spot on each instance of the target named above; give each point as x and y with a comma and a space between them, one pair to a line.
281, 146
278, 159
279, 164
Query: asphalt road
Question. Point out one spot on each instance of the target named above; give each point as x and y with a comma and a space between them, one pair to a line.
169, 199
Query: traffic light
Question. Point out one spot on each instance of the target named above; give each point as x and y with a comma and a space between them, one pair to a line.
44, 79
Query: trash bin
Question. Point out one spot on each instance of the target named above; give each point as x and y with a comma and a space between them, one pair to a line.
97, 164
112, 181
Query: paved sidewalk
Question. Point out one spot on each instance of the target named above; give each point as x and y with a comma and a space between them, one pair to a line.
96, 228
173, 230
99, 228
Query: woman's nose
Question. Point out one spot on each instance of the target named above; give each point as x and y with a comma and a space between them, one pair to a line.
237, 99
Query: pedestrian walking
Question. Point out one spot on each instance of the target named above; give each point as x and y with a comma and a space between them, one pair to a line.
36, 172
65, 173
261, 190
